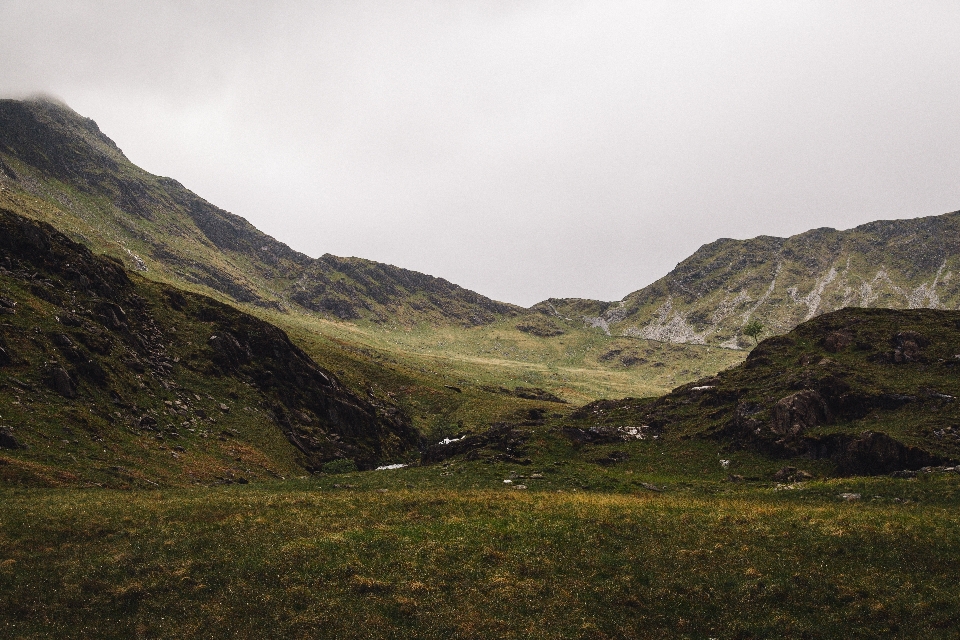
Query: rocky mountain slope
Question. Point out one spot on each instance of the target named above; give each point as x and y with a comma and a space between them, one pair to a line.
110, 378
869, 390
709, 297
58, 166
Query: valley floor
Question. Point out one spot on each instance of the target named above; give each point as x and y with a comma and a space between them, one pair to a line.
419, 553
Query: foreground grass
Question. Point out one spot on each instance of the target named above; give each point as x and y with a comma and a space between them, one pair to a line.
306, 560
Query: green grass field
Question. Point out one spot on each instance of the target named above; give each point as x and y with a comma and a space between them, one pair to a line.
396, 554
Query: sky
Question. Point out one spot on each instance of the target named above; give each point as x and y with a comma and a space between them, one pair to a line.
524, 150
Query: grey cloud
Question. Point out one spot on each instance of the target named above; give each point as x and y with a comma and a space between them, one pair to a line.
524, 150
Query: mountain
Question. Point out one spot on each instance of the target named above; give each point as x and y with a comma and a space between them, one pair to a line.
710, 296
58, 166
866, 390
112, 379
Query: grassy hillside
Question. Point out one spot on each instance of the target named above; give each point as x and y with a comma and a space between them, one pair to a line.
865, 390
58, 166
399, 335
809, 491
111, 379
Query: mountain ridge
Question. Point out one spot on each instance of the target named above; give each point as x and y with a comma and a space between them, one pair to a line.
710, 295
51, 152
61, 167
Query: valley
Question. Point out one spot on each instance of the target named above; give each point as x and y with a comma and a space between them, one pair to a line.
205, 433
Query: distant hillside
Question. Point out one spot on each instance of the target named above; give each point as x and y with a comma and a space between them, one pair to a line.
871, 390
113, 379
710, 296
58, 166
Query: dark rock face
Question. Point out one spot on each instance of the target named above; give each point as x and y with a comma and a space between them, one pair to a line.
799, 411
871, 454
837, 341
907, 346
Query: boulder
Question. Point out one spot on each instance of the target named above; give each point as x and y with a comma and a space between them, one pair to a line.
60, 381
837, 341
799, 411
7, 441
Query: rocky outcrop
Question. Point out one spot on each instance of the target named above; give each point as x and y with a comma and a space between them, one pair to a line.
503, 441
798, 412
872, 390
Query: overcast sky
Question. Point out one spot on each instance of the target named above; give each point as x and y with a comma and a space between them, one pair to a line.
521, 149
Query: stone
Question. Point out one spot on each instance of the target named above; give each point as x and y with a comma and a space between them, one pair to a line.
8, 441
60, 381
792, 474
785, 474
849, 497
837, 341
794, 414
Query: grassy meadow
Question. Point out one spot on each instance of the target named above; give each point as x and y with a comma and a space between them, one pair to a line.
419, 367
396, 554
